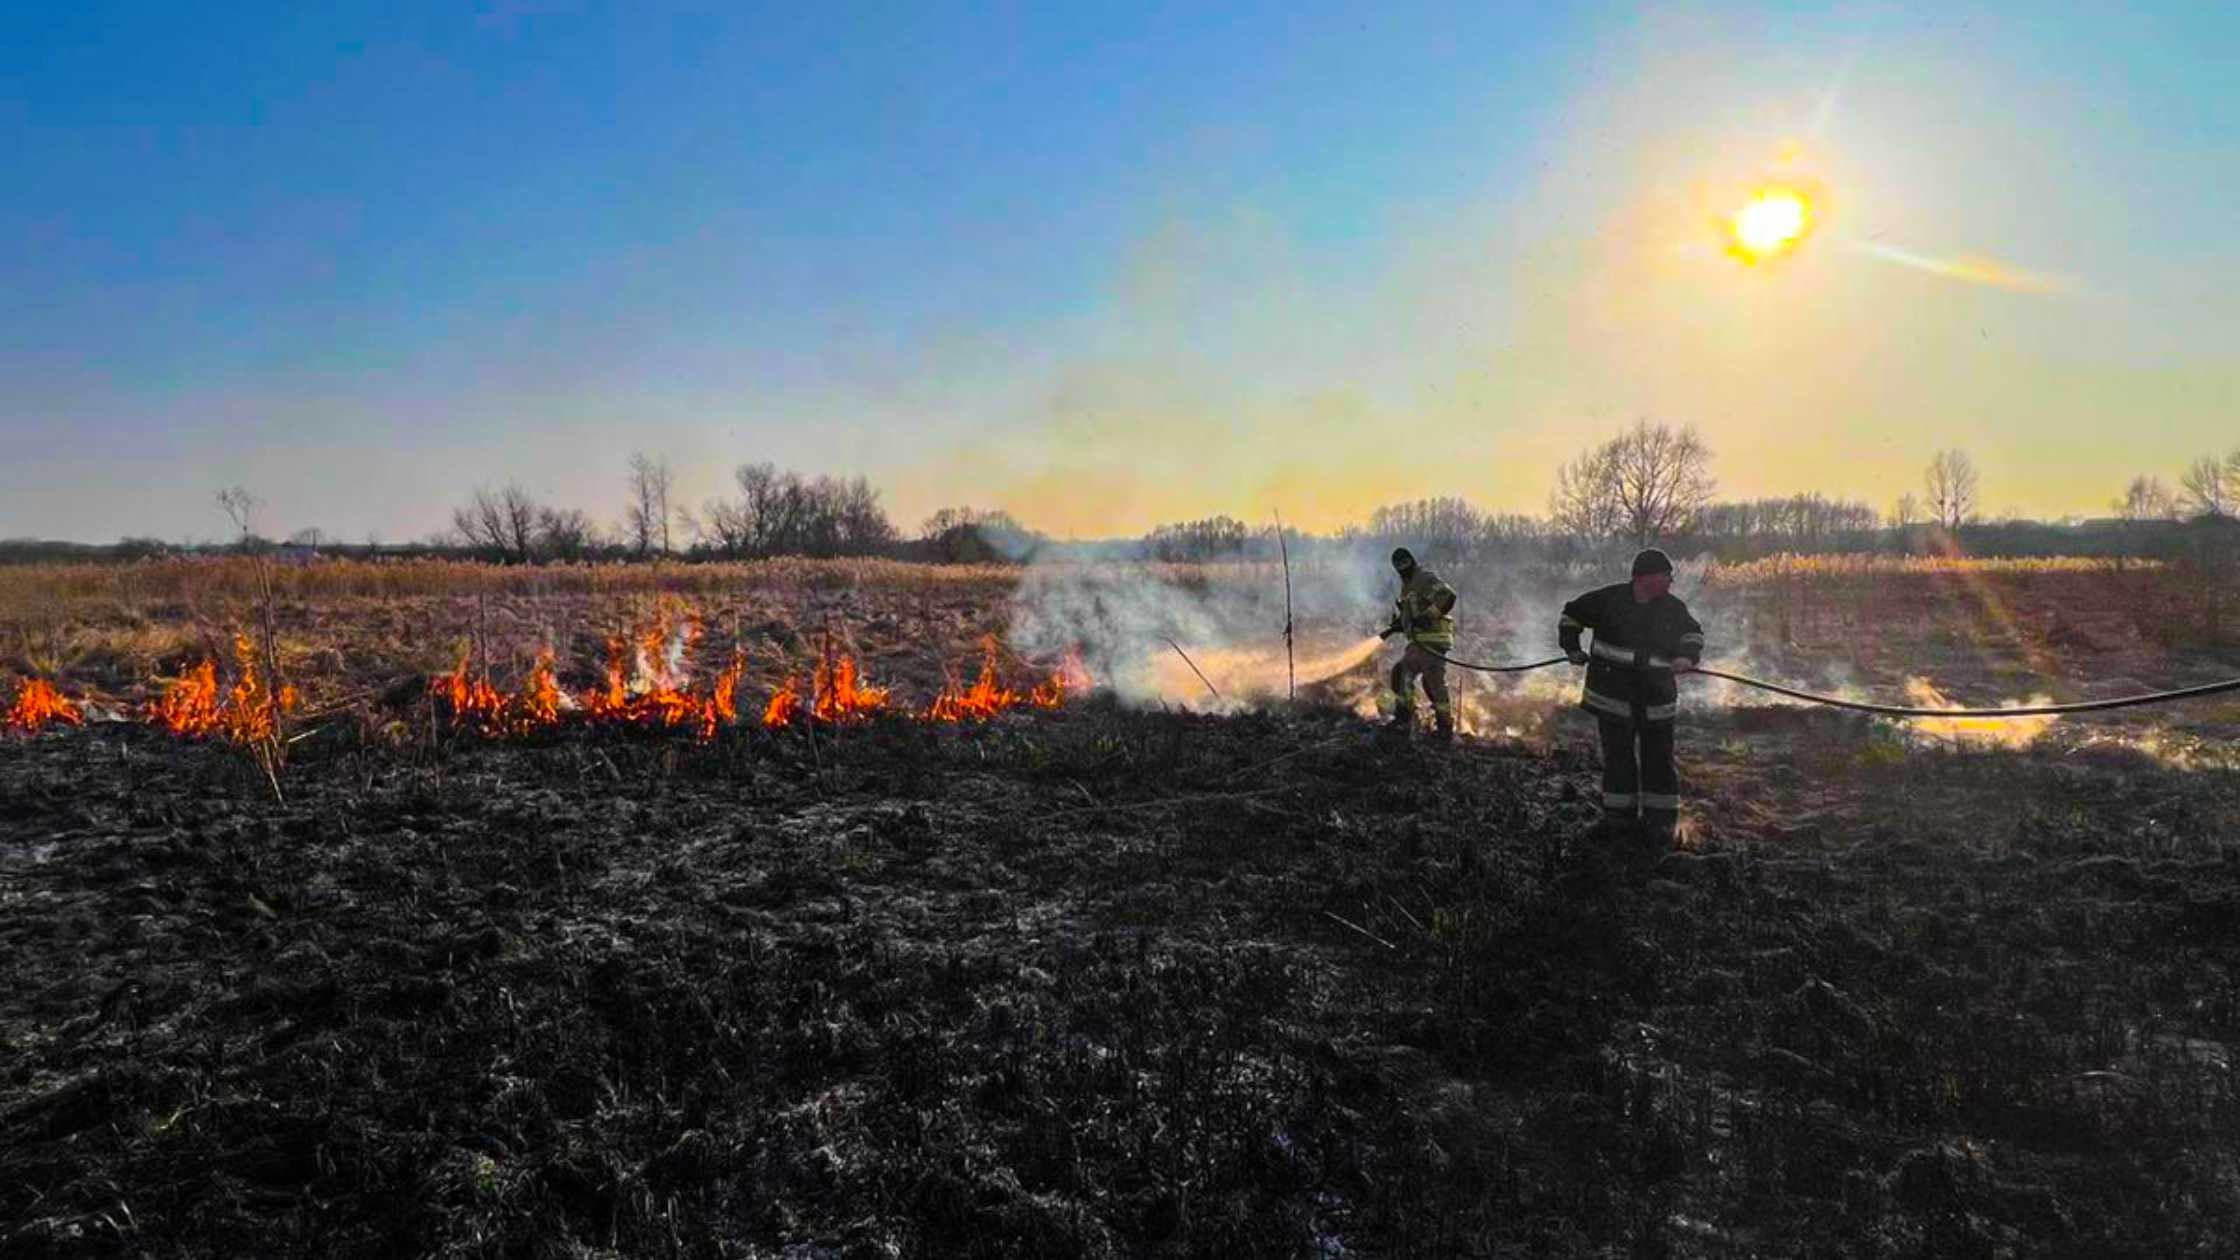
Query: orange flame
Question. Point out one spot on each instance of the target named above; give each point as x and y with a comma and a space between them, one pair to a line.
251, 711
2004, 732
1071, 678
477, 704
722, 706
38, 704
642, 685
613, 698
653, 692
189, 705
985, 699
247, 713
473, 702
784, 706
841, 696
538, 705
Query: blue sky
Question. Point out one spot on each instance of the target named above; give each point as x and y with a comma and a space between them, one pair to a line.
1105, 264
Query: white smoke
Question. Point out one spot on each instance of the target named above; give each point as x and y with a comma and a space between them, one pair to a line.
1134, 621
1121, 613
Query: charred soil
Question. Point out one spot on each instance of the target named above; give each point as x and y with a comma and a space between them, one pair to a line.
1109, 983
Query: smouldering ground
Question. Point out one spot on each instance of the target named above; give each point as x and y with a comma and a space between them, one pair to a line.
1112, 983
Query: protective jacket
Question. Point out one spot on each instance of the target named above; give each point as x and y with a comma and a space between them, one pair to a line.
1425, 610
1629, 671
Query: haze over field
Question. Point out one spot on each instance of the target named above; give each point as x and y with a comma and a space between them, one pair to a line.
1102, 267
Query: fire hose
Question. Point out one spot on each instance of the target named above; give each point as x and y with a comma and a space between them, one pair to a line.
1892, 710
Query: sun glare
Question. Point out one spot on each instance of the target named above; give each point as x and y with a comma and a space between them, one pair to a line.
1770, 225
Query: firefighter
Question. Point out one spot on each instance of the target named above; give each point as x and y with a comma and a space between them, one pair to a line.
1425, 613
1643, 637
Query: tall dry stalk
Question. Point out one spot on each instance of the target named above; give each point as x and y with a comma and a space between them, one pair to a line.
269, 746
1290, 661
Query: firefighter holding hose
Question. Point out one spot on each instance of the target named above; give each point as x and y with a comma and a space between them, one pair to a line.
1425, 614
1643, 638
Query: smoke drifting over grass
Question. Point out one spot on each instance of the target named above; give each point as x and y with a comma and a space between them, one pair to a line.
1229, 618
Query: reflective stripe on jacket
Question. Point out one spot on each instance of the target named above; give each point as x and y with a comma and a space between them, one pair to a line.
1629, 670
1421, 616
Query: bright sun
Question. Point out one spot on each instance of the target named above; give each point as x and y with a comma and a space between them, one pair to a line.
1771, 224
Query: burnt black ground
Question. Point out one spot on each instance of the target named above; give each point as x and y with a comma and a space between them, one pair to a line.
1079, 985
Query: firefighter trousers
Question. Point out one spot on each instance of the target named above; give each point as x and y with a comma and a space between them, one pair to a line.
1415, 663
1638, 770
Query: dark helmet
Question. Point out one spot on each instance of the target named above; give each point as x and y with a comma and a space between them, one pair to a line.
1402, 558
1651, 561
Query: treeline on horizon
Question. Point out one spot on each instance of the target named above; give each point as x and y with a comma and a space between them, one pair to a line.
1647, 485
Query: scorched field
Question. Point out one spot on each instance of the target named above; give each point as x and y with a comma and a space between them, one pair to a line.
364, 910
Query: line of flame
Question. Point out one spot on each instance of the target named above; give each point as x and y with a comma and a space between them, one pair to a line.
193, 705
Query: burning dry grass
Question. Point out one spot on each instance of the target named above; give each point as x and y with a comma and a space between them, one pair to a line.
38, 705
249, 712
840, 694
519, 650
646, 685
476, 704
119, 639
2004, 732
985, 698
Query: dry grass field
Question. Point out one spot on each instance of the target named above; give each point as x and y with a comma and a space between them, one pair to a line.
1113, 978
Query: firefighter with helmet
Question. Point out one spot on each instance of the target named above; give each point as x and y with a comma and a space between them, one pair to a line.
1644, 637
1425, 614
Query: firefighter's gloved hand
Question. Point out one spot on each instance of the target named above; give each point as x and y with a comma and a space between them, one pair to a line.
1576, 656
1684, 666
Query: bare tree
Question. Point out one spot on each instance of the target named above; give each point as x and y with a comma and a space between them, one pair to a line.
1515, 528
2146, 499
766, 515
1214, 536
2209, 486
1664, 480
1798, 522
781, 513
1582, 503
972, 536
863, 525
1643, 485
1446, 525
240, 507
751, 524
565, 534
649, 515
503, 523
1952, 485
1906, 513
